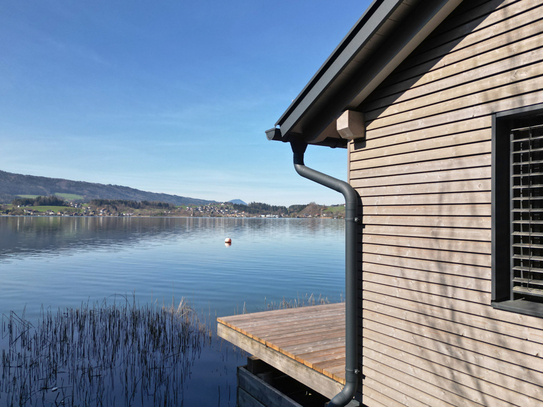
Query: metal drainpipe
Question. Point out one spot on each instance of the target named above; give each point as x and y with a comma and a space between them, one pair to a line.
351, 281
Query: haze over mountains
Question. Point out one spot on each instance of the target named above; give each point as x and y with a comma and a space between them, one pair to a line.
13, 185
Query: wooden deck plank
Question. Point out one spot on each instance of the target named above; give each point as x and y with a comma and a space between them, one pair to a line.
295, 330
290, 312
323, 355
285, 334
290, 326
283, 318
313, 338
321, 344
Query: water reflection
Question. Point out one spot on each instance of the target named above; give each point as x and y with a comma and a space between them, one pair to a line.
68, 260
35, 236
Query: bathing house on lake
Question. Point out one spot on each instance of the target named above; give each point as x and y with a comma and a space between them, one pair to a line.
440, 107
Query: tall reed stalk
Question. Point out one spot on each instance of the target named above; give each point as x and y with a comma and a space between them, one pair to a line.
118, 354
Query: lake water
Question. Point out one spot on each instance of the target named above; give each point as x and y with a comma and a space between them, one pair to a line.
52, 263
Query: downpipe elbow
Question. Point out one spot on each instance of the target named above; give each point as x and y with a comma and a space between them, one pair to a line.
345, 396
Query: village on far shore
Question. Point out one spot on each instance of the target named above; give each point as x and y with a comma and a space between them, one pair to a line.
59, 205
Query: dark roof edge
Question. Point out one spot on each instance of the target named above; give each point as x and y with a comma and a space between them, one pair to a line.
394, 28
346, 41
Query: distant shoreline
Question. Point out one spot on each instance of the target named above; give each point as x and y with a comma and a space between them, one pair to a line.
119, 208
169, 217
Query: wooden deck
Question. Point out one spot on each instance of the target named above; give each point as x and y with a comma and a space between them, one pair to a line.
306, 343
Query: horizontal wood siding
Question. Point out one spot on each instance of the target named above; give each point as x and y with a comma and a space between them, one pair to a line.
430, 336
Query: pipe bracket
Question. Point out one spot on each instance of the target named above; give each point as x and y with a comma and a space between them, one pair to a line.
356, 220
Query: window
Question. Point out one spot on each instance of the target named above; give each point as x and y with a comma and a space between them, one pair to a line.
517, 211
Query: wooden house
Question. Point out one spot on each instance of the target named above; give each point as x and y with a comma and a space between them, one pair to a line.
440, 106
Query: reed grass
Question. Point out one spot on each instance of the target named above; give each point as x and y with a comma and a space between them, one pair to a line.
305, 301
118, 354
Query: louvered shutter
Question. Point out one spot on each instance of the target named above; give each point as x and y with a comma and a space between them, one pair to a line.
527, 212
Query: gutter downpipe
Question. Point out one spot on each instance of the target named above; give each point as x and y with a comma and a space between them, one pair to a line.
352, 373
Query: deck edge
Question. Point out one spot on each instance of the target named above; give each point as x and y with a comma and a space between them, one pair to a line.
321, 383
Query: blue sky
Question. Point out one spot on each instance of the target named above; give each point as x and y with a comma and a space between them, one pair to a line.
166, 96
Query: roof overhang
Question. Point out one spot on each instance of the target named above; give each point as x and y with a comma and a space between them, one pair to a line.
382, 38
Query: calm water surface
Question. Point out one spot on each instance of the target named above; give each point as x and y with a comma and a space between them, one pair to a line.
64, 262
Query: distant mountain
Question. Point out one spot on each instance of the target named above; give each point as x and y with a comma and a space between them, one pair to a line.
12, 185
237, 201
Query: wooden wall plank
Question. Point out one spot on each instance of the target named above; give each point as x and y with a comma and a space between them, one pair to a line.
414, 290
510, 90
532, 97
447, 164
428, 243
410, 293
480, 28
475, 259
442, 129
459, 301
500, 21
430, 381
457, 81
358, 161
501, 359
438, 294
452, 286
492, 38
373, 398
462, 386
482, 15
425, 177
504, 347
437, 233
432, 188
426, 144
398, 390
429, 199
423, 77
427, 210
375, 388
435, 342
425, 391
430, 221
435, 360
431, 266
449, 91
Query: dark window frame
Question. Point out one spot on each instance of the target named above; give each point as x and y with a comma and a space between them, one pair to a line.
502, 123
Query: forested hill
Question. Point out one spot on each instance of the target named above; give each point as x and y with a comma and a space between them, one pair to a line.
13, 185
